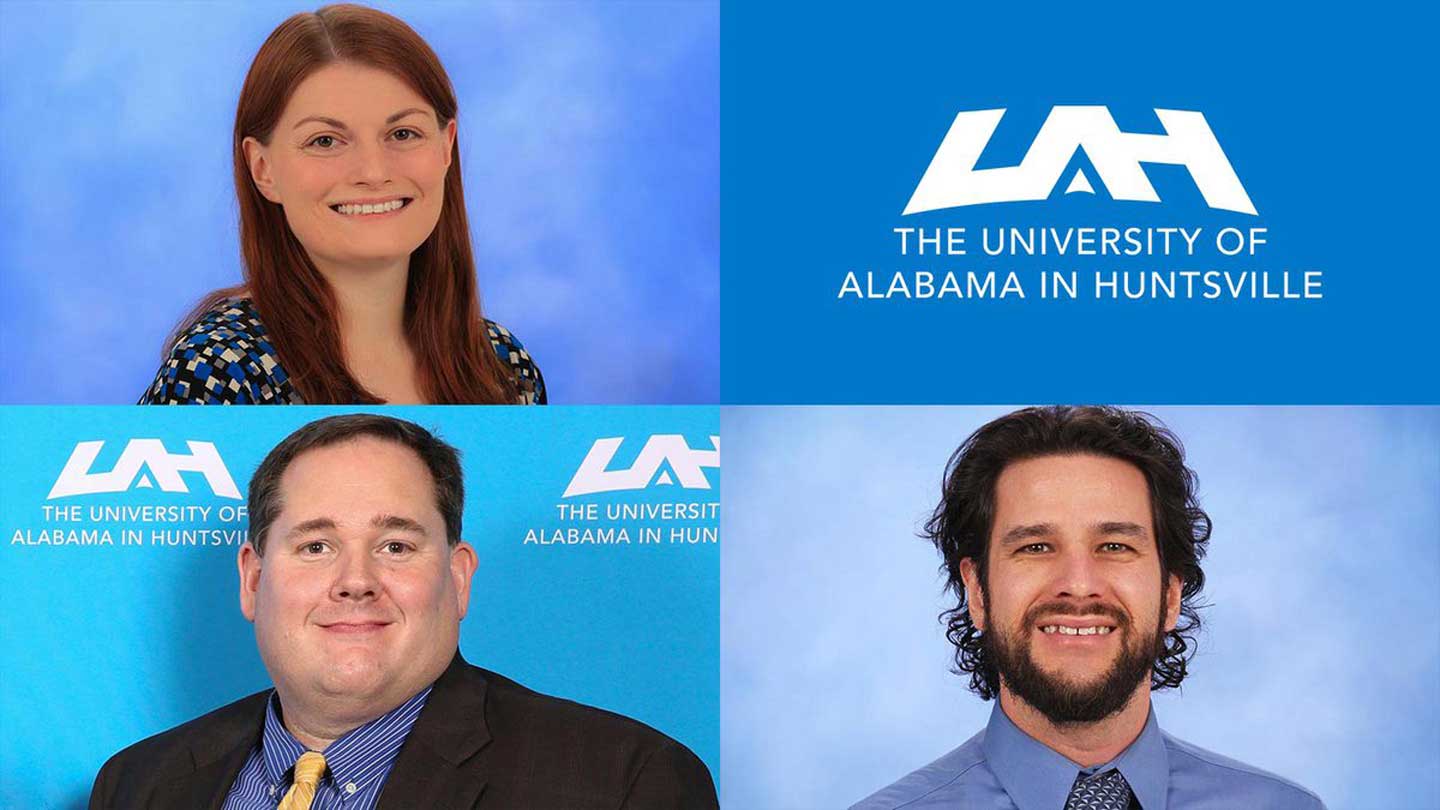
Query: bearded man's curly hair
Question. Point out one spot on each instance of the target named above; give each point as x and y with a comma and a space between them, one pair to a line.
960, 525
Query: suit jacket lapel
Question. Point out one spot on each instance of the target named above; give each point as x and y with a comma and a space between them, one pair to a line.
206, 787
218, 758
437, 766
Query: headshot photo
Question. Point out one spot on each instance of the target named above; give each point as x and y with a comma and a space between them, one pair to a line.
1081, 607
361, 543
407, 203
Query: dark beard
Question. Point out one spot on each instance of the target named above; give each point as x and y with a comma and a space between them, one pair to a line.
1063, 701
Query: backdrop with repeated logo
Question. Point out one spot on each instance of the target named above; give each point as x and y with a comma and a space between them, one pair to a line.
122, 617
589, 141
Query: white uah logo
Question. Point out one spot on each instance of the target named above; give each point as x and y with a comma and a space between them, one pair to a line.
660, 449
952, 181
140, 455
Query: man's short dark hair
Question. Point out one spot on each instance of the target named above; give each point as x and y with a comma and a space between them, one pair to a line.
961, 524
441, 459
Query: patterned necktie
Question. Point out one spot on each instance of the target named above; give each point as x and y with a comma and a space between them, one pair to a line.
308, 770
1102, 791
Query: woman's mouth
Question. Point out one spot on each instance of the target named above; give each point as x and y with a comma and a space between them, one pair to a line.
370, 209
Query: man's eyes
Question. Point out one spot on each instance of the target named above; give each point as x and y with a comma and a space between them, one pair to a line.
390, 548
1109, 548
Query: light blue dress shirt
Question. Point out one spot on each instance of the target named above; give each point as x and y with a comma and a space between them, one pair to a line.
1002, 767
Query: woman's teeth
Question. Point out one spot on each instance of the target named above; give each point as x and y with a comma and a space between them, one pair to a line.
378, 208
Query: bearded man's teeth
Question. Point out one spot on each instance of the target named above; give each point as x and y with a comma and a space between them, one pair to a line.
1051, 629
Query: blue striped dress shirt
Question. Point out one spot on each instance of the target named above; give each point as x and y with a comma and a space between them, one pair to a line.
356, 765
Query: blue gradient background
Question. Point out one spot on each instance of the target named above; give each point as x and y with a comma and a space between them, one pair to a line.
831, 120
589, 137
1320, 660
101, 646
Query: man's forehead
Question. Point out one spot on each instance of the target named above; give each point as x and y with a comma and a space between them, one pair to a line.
380, 522
1065, 491
369, 469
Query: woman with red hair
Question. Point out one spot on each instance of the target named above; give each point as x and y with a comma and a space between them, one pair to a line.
359, 278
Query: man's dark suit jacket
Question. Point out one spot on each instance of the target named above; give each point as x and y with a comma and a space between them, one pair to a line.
482, 741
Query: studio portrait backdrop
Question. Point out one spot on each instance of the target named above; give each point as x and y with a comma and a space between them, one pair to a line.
1317, 659
596, 531
588, 139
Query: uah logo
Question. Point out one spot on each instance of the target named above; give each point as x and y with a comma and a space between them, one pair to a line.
665, 449
952, 181
141, 460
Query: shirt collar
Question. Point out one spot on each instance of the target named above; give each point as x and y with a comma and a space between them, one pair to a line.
360, 756
1038, 778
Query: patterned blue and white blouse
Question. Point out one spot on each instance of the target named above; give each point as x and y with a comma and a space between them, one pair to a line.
226, 358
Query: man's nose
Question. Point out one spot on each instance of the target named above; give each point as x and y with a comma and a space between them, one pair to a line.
1078, 574
355, 578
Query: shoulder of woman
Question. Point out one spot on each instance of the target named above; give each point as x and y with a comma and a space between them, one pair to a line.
230, 320
224, 357
513, 353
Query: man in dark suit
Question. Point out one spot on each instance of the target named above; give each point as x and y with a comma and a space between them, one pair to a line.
356, 580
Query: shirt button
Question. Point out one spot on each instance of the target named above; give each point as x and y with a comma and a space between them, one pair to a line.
350, 787
272, 790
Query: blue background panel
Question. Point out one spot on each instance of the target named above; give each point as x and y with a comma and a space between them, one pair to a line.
832, 119
104, 645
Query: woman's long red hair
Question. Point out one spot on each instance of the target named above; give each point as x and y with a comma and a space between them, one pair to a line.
453, 356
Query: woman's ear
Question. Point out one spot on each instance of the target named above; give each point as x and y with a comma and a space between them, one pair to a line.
258, 159
450, 130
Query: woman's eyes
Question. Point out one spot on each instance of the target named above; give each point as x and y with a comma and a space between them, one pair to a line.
403, 135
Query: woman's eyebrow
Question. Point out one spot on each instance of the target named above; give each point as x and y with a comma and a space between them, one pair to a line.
397, 116
341, 125
321, 119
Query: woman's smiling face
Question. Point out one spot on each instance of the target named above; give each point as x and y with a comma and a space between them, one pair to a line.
358, 162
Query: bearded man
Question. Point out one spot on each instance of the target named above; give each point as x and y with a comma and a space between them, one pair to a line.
1072, 539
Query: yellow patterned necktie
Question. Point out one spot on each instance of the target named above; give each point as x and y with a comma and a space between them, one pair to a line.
308, 770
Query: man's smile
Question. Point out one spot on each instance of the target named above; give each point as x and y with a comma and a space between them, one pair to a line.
1066, 630
355, 627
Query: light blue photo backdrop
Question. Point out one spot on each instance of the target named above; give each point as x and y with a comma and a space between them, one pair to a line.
1319, 660
103, 645
589, 140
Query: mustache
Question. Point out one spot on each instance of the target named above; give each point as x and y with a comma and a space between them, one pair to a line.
1058, 608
